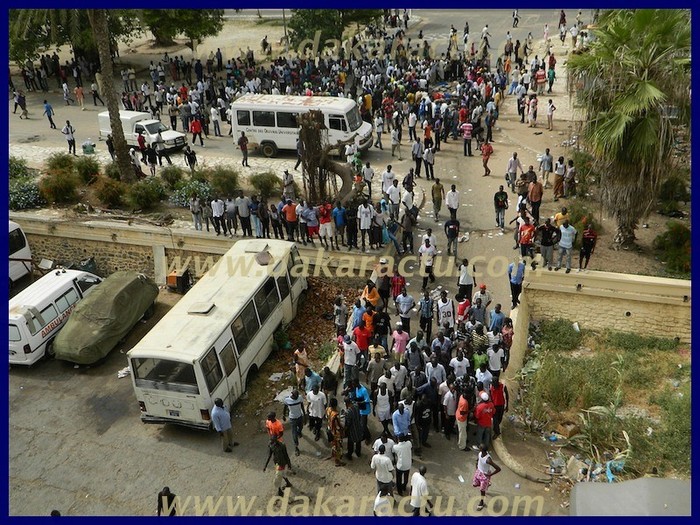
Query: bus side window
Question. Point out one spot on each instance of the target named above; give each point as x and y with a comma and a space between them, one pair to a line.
283, 286
243, 117
212, 370
337, 122
86, 282
291, 263
228, 359
67, 300
48, 314
17, 241
244, 327
264, 118
286, 120
266, 299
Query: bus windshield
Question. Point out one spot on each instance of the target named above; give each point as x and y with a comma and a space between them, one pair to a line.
354, 119
163, 374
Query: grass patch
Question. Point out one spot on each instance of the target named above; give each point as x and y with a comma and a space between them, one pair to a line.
630, 395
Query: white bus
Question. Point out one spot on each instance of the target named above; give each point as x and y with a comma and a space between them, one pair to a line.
218, 335
270, 121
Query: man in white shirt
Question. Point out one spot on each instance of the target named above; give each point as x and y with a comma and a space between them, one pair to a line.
350, 353
316, 409
420, 495
412, 121
404, 460
514, 165
483, 376
566, 244
459, 364
452, 201
368, 175
496, 355
217, 212
365, 214
445, 310
394, 197
383, 469
426, 253
387, 179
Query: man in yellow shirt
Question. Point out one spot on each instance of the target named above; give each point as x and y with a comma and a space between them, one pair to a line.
370, 294
562, 216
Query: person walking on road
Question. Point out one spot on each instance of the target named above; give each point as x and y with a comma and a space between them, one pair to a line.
49, 112
167, 502
420, 495
69, 131
486, 152
514, 165
485, 470
294, 407
278, 452
221, 419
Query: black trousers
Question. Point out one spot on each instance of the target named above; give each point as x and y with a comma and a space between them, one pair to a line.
515, 290
401, 480
498, 418
245, 226
468, 147
354, 446
419, 161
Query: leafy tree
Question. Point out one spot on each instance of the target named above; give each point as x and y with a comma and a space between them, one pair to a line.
66, 25
632, 78
304, 23
193, 24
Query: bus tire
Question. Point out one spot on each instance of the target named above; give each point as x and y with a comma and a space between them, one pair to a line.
269, 149
49, 352
252, 373
149, 311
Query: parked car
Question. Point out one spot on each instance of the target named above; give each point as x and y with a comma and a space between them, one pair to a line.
105, 317
136, 122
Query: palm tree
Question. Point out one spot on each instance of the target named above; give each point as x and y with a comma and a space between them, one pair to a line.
636, 68
69, 21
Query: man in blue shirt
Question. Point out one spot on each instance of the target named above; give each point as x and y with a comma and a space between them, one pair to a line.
516, 274
401, 421
364, 403
497, 318
312, 380
340, 219
221, 418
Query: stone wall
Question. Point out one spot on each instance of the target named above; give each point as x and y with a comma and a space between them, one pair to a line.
647, 306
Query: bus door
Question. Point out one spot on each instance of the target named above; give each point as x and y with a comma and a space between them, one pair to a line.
232, 372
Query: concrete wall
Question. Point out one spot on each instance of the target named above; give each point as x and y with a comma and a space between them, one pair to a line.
648, 306
140, 246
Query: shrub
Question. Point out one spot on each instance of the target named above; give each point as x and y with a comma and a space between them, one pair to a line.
224, 181
24, 193
18, 168
60, 162
674, 189
146, 194
586, 173
112, 171
111, 192
266, 184
185, 189
171, 175
674, 247
88, 169
59, 187
581, 216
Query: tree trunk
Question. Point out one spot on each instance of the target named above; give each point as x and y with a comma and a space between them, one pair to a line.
98, 22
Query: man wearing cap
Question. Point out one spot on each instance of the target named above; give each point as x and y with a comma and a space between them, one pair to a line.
221, 419
484, 295
483, 414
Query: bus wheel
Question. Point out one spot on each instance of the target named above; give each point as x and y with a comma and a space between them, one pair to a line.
252, 374
149, 311
49, 353
269, 149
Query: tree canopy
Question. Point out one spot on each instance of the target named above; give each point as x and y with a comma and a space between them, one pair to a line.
304, 23
193, 24
632, 78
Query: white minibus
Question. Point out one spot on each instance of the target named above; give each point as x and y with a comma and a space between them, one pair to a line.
20, 254
270, 121
218, 335
39, 312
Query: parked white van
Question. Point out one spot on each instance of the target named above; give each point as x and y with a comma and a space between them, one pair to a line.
20, 254
270, 121
39, 312
135, 122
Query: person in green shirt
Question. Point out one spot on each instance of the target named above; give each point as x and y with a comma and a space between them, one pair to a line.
438, 193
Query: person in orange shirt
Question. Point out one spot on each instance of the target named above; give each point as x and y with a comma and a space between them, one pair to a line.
274, 427
289, 211
370, 294
427, 136
368, 318
486, 152
462, 415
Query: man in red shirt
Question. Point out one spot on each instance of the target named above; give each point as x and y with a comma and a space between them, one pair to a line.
526, 238
397, 283
362, 338
243, 144
326, 232
141, 141
499, 398
463, 305
196, 130
486, 152
483, 414
467, 130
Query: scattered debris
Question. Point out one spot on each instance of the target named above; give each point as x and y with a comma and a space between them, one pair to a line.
275, 377
124, 372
